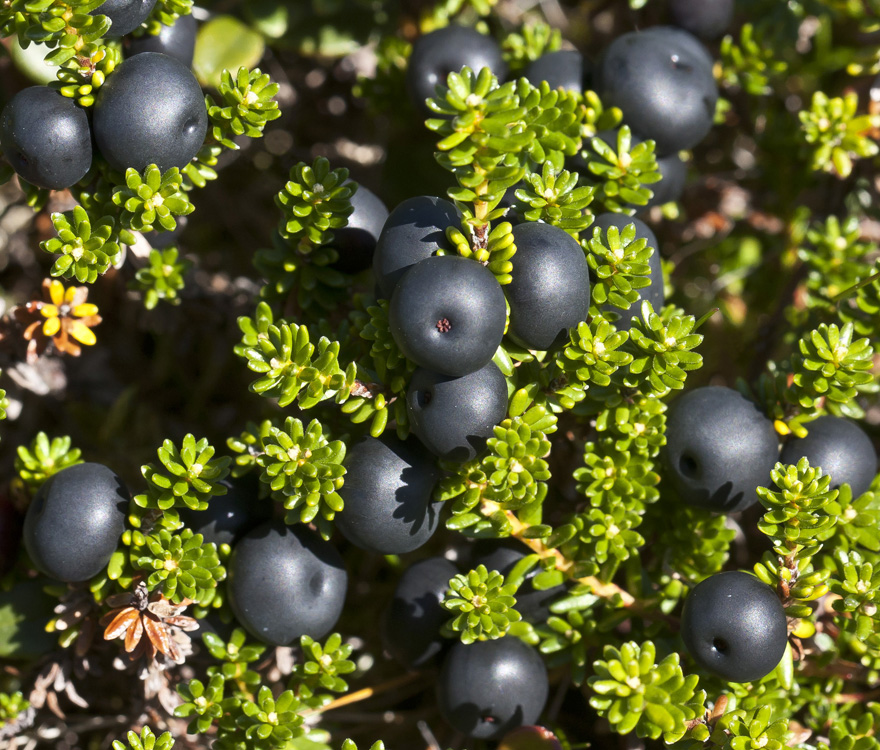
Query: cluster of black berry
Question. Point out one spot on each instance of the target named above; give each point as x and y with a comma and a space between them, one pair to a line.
150, 110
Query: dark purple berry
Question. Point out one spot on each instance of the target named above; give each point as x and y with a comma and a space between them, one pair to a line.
125, 15
662, 80
719, 449
487, 688
411, 624
46, 138
286, 582
841, 448
177, 41
356, 242
550, 291
388, 495
230, 516
707, 19
74, 522
453, 417
447, 315
439, 53
151, 110
414, 231
561, 69
734, 625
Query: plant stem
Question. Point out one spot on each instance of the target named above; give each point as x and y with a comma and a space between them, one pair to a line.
362, 695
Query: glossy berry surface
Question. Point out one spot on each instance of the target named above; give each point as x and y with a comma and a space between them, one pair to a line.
150, 111
439, 53
533, 604
654, 292
125, 15
286, 582
387, 493
707, 19
414, 231
734, 625
719, 448
74, 522
563, 68
230, 516
411, 624
662, 80
840, 447
453, 417
447, 315
550, 291
356, 242
177, 41
673, 173
46, 138
487, 688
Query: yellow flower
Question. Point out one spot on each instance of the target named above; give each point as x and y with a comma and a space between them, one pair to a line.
65, 315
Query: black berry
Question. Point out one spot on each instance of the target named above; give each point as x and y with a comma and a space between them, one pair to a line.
415, 230
230, 516
734, 625
563, 68
707, 19
487, 688
387, 493
453, 417
654, 292
841, 448
447, 314
177, 41
447, 50
46, 138
550, 291
286, 582
662, 80
150, 111
74, 522
719, 448
356, 242
411, 624
125, 15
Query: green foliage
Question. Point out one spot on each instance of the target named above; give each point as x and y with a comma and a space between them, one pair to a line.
183, 566
529, 43
322, 666
836, 133
635, 694
85, 252
11, 706
749, 65
754, 729
65, 27
796, 517
662, 350
315, 201
591, 358
304, 471
163, 277
797, 579
854, 732
291, 368
555, 198
621, 173
152, 198
145, 741
571, 631
637, 424
203, 703
836, 258
234, 656
483, 604
166, 12
620, 263
81, 76
511, 476
248, 105
43, 458
269, 722
857, 583
193, 477
831, 366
